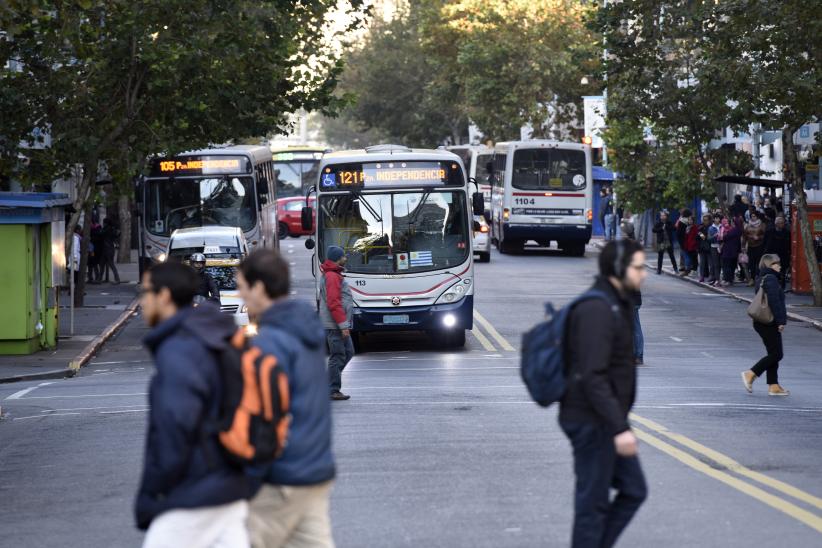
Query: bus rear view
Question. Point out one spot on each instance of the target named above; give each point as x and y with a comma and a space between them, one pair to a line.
543, 194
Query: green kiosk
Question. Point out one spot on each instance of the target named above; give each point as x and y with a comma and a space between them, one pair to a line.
33, 268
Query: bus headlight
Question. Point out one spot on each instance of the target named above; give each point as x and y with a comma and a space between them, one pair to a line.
453, 293
161, 257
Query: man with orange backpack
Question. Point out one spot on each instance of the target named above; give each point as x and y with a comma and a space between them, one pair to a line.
291, 504
190, 493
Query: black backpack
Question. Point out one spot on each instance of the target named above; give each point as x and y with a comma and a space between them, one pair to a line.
542, 358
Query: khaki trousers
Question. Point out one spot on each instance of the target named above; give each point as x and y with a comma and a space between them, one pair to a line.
284, 516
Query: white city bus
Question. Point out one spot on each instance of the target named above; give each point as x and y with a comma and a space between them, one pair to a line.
231, 186
542, 192
476, 159
404, 218
295, 169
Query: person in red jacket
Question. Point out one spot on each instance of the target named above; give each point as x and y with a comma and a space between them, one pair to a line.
336, 307
691, 245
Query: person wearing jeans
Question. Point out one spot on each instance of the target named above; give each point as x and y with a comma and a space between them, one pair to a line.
770, 333
600, 392
336, 308
639, 340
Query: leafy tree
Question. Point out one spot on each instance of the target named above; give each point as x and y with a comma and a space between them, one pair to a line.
766, 55
103, 76
394, 82
521, 62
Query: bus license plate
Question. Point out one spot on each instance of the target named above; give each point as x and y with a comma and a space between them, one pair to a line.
396, 319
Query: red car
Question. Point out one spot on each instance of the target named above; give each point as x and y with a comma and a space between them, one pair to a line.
289, 211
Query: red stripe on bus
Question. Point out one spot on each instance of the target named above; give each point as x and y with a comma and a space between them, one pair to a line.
549, 195
415, 292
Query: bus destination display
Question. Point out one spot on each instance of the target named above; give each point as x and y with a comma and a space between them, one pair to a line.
390, 174
199, 165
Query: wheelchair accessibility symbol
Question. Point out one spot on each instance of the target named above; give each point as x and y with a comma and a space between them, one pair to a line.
329, 180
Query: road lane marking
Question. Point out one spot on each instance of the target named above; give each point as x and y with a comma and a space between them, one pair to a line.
19, 394
708, 355
811, 520
732, 465
493, 332
42, 416
677, 339
86, 396
483, 340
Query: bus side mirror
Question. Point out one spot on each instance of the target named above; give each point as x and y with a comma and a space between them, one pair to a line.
307, 218
309, 244
478, 203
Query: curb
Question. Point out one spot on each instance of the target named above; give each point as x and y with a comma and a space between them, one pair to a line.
85, 355
792, 315
45, 375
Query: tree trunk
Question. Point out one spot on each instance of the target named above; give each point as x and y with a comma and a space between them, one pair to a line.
789, 155
124, 213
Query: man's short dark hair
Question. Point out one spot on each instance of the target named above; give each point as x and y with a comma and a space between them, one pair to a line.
616, 256
180, 279
269, 267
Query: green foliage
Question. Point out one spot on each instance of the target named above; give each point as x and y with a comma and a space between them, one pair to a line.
419, 78
393, 78
103, 75
521, 62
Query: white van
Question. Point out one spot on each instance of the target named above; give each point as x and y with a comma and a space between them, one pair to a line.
224, 247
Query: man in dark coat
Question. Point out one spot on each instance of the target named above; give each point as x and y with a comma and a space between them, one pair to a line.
601, 388
110, 236
189, 494
778, 242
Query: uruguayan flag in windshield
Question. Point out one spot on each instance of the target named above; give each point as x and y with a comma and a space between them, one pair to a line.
421, 258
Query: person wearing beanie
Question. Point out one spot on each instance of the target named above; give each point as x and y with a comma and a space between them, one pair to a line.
336, 307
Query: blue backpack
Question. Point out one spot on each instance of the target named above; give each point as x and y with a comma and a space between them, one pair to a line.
542, 358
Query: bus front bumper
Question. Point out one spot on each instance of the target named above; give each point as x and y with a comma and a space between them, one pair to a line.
436, 317
554, 232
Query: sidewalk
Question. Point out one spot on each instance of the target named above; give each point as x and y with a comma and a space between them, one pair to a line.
800, 307
107, 308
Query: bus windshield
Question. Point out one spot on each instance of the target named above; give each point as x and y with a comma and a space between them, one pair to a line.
193, 202
294, 177
549, 169
401, 232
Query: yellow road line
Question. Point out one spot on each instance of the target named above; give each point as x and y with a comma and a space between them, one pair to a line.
483, 340
505, 345
811, 520
730, 464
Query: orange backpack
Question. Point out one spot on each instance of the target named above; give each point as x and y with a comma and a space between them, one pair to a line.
254, 406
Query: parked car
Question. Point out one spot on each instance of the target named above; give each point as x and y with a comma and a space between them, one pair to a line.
482, 239
224, 247
289, 211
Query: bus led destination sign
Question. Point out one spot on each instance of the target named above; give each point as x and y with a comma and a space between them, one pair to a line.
199, 165
381, 175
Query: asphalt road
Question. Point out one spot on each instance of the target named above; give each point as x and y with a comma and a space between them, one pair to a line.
445, 449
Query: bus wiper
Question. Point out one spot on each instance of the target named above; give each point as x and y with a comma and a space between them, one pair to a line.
417, 211
368, 206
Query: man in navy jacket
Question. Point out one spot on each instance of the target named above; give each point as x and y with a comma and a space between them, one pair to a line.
291, 504
189, 494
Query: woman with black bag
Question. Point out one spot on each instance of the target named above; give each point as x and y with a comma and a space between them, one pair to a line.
769, 331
